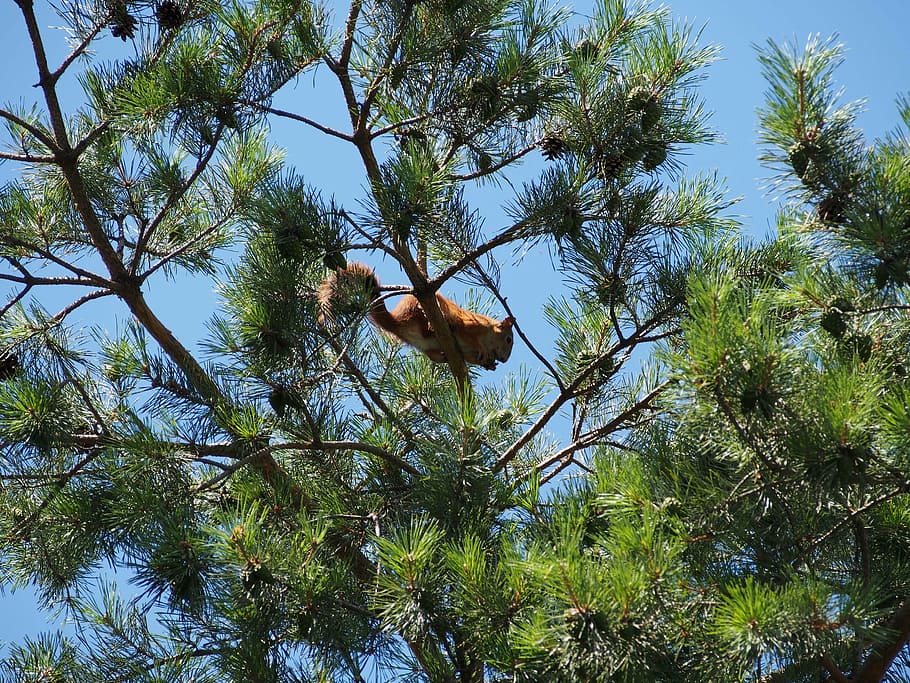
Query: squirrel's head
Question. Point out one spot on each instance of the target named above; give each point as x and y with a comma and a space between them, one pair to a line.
504, 339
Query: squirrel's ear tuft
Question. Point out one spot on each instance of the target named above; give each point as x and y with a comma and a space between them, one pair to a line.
508, 322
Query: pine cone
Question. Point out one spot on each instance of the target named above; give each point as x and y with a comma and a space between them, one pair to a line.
612, 165
8, 366
552, 147
169, 15
639, 97
803, 157
570, 222
653, 157
831, 208
123, 24
651, 113
587, 50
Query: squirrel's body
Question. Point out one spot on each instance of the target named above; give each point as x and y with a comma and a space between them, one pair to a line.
483, 340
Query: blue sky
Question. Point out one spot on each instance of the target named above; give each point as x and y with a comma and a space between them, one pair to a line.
877, 67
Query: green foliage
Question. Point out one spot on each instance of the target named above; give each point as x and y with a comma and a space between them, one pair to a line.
307, 501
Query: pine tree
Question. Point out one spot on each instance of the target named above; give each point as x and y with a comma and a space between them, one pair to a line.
777, 473
297, 501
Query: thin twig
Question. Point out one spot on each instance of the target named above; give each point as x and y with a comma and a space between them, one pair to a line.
515, 325
146, 233
314, 445
883, 498
572, 389
508, 235
77, 51
91, 279
367, 386
589, 438
16, 299
497, 166
302, 119
45, 139
393, 45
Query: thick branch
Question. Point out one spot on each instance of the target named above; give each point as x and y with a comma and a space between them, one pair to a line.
28, 158
423, 291
32, 280
836, 675
172, 346
878, 663
350, 28
64, 153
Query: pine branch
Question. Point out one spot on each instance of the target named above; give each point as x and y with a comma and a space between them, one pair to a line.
567, 462
507, 236
373, 243
91, 137
29, 158
374, 395
30, 280
75, 53
527, 341
123, 282
572, 390
21, 294
302, 119
64, 153
39, 134
373, 89
145, 234
462, 263
90, 278
314, 445
423, 291
350, 29
498, 166
182, 249
592, 436
361, 138
22, 528
856, 513
61, 315
878, 663
404, 123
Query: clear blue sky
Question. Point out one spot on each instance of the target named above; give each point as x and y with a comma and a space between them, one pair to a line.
877, 68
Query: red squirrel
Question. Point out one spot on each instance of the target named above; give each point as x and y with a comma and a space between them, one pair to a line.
482, 340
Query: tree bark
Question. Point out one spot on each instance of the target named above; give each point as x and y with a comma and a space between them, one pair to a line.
878, 663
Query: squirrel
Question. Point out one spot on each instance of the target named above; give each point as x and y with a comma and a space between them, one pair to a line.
483, 340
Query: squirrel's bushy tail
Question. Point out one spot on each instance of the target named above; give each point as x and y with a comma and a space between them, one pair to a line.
347, 290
